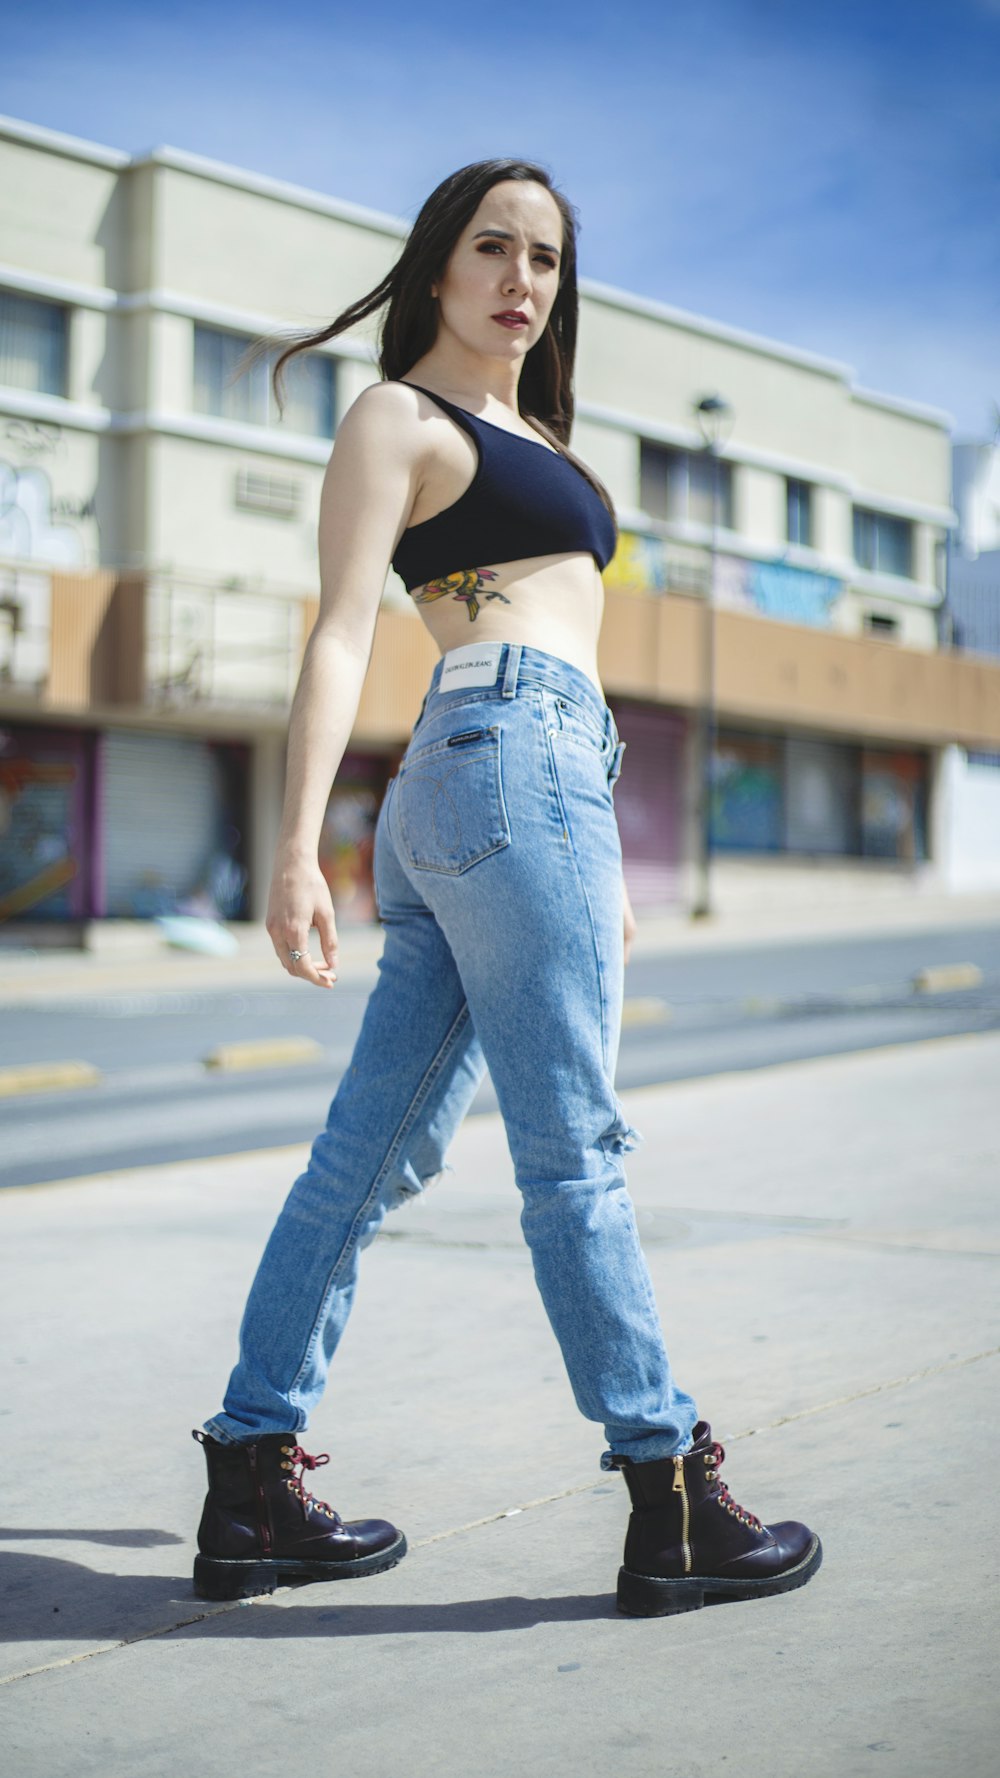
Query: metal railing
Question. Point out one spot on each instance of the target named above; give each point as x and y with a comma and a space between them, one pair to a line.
219, 646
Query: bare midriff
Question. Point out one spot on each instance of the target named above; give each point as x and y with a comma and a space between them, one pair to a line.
553, 603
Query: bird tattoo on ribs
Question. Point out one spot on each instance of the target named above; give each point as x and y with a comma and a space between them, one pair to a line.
463, 585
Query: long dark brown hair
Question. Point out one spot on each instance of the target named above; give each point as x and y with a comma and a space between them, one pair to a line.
410, 322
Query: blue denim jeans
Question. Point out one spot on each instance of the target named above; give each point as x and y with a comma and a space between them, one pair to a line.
498, 876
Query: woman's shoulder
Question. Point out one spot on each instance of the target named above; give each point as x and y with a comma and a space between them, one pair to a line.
387, 404
387, 414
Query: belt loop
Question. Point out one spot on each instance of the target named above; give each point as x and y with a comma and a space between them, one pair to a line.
513, 663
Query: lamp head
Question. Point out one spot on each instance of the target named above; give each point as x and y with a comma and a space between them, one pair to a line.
715, 419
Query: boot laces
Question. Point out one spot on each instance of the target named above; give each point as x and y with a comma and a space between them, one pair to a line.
296, 1482
725, 1499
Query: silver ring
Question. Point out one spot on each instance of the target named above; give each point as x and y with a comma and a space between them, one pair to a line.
295, 955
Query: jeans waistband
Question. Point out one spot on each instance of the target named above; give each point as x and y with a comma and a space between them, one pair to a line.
520, 666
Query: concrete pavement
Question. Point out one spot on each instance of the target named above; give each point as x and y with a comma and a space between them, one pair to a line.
824, 1240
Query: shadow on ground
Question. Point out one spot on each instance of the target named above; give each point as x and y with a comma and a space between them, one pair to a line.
45, 1597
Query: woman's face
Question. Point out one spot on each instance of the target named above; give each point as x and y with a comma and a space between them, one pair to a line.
503, 274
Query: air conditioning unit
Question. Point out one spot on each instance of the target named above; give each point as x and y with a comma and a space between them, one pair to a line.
278, 495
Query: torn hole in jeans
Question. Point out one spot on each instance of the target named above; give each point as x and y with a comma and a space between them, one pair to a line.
620, 1137
404, 1184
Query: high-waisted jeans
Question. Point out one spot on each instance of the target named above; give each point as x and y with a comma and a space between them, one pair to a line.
498, 876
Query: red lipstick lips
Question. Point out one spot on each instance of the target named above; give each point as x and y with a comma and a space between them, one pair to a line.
511, 318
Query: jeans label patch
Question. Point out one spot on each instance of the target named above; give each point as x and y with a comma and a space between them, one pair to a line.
475, 663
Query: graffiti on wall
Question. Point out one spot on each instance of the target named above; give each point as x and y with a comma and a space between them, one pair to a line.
33, 522
37, 862
775, 589
643, 564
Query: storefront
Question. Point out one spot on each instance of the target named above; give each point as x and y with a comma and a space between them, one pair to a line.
347, 839
813, 797
172, 815
47, 854
124, 824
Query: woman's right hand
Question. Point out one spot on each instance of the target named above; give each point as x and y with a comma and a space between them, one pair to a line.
299, 900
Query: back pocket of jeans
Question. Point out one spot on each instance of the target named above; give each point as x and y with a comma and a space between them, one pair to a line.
450, 803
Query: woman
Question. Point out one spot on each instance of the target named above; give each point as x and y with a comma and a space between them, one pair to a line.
499, 884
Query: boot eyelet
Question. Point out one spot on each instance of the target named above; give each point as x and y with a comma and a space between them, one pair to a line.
710, 1475
287, 1466
286, 1450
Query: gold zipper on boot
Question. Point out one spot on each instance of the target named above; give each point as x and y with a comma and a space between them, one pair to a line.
681, 1489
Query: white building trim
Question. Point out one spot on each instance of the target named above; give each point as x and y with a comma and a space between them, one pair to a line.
298, 447
614, 298
15, 129
66, 290
30, 404
899, 404
896, 587
919, 510
172, 302
221, 173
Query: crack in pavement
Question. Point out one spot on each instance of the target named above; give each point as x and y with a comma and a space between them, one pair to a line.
824, 1407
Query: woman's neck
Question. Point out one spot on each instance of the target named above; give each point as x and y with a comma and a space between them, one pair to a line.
469, 379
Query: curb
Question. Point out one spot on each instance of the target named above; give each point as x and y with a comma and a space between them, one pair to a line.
45, 1077
940, 978
263, 1052
644, 1011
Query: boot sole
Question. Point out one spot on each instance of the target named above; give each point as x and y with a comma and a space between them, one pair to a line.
647, 1595
248, 1576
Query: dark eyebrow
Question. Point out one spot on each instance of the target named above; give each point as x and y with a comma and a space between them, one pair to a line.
500, 235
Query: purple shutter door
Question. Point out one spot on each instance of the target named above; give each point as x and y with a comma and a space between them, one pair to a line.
649, 802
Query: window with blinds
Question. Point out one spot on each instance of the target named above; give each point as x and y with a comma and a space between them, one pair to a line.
221, 389
680, 485
798, 511
32, 344
883, 544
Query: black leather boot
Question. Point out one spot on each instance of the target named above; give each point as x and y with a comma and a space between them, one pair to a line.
261, 1529
689, 1543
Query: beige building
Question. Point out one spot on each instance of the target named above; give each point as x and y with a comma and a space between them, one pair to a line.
159, 574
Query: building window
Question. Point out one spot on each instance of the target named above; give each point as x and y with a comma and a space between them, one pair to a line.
310, 385
677, 485
882, 544
799, 509
32, 344
877, 624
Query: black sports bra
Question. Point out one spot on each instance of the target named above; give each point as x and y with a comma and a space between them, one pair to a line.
525, 499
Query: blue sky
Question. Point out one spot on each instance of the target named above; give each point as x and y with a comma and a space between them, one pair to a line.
828, 175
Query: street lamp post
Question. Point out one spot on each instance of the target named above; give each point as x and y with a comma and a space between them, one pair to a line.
715, 418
